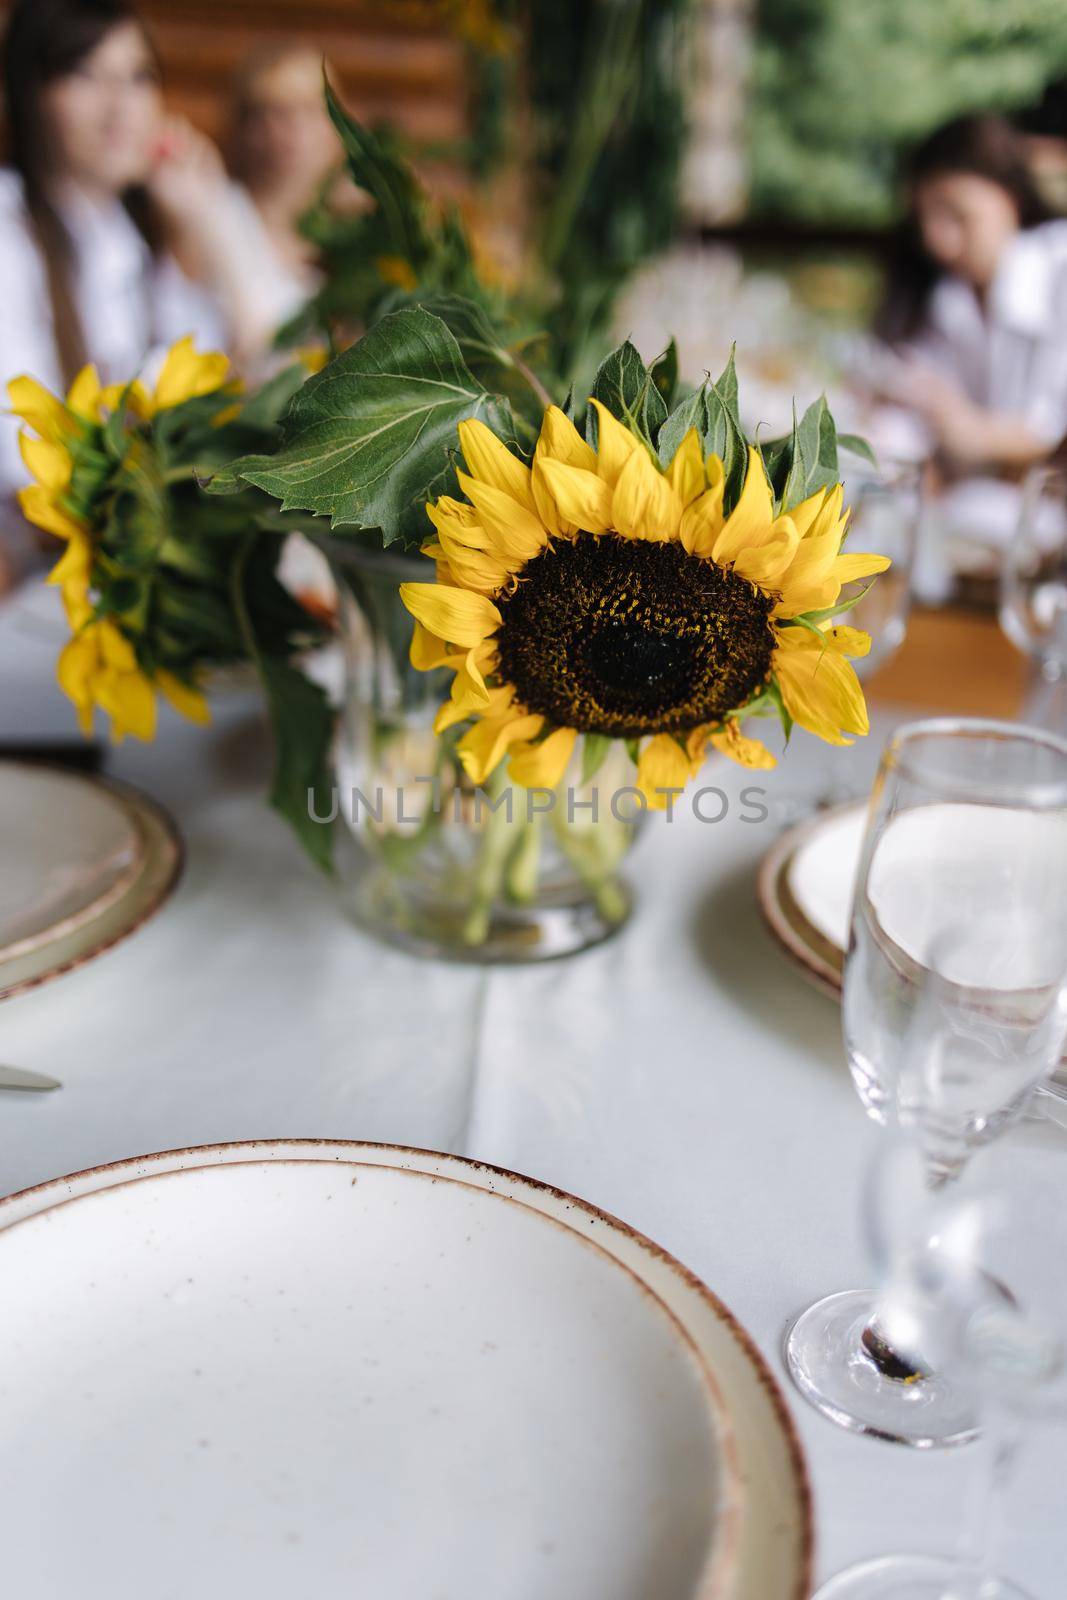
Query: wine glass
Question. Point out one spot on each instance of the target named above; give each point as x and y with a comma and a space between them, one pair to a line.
983, 1299
955, 1008
1033, 593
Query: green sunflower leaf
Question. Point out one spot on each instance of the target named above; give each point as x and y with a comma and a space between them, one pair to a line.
381, 171
857, 445
624, 384
665, 373
712, 411
367, 441
302, 722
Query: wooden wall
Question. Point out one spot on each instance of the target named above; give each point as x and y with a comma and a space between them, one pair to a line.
392, 63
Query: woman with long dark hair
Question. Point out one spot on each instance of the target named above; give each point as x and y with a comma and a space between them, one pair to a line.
977, 301
103, 197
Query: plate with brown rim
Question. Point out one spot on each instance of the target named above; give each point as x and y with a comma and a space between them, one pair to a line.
289, 1366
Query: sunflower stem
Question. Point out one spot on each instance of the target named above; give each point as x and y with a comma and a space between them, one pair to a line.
593, 852
492, 860
524, 859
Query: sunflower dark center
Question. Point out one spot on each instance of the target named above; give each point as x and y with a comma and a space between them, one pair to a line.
625, 637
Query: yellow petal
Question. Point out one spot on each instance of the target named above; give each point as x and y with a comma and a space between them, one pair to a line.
515, 533
453, 711
483, 747
858, 564
39, 508
764, 564
810, 582
115, 649
560, 440
460, 521
848, 641
806, 512
48, 461
730, 741
75, 564
541, 766
470, 569
76, 602
582, 498
490, 461
39, 408
701, 521
469, 688
819, 688
187, 375
427, 650
644, 504
453, 614
663, 765
615, 444
84, 394
137, 399
79, 660
686, 471
187, 701
129, 701
749, 523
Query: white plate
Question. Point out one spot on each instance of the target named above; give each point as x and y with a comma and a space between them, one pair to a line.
115, 915
805, 888
295, 1368
69, 847
822, 871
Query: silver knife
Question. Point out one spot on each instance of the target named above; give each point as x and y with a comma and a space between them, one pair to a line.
18, 1078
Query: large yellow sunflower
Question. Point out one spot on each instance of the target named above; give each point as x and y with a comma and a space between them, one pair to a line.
596, 593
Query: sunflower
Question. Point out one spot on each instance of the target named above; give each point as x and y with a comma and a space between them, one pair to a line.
594, 592
63, 450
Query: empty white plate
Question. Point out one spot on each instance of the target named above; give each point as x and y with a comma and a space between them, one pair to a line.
69, 847
347, 1377
822, 871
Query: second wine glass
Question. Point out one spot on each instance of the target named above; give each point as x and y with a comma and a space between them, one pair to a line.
960, 924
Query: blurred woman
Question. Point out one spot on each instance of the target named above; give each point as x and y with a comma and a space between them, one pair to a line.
976, 311
284, 150
103, 197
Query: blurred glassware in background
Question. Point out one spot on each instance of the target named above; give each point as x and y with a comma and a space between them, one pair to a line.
1033, 594
955, 1009
886, 518
984, 1304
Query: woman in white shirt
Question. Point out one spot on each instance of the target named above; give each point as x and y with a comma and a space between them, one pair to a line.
977, 306
103, 198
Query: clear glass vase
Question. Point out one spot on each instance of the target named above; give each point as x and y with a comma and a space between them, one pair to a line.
428, 860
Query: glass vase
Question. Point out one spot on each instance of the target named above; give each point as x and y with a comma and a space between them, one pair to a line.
427, 859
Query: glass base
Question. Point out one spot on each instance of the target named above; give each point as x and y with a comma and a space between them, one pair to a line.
916, 1578
826, 1360
551, 926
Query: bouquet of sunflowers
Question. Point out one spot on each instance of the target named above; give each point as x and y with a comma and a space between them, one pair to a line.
622, 571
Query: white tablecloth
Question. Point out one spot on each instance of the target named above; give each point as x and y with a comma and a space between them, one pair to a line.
682, 1076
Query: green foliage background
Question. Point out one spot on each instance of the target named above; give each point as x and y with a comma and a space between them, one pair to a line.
841, 86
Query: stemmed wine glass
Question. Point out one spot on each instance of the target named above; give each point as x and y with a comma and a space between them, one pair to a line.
960, 893
984, 1302
1033, 593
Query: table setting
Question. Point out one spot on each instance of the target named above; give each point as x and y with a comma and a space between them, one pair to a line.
438, 1160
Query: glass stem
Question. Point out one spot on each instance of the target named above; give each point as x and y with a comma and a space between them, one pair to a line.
996, 1456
